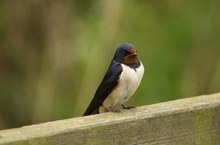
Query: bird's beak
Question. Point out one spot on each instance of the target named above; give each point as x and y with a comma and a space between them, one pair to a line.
133, 54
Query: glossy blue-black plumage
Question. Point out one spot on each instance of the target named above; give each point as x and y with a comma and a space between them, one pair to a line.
108, 83
119, 54
110, 80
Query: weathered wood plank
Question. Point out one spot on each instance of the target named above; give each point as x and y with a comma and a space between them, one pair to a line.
191, 121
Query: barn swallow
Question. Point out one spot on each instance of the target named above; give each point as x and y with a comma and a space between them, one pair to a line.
119, 83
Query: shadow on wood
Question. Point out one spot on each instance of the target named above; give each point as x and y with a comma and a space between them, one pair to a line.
191, 121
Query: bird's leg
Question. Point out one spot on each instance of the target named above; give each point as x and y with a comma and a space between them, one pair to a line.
110, 109
127, 107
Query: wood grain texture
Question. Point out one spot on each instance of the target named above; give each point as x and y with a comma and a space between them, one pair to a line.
191, 121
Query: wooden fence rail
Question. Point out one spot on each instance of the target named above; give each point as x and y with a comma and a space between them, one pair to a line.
191, 121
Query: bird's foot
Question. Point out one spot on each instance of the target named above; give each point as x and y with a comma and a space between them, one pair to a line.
110, 109
127, 107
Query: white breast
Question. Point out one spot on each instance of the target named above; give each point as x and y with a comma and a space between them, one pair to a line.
128, 83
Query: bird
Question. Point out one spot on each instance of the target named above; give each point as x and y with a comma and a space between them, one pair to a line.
120, 82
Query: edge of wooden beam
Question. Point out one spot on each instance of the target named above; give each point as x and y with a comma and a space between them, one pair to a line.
49, 129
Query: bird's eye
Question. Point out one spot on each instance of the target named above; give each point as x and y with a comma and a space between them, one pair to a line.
124, 52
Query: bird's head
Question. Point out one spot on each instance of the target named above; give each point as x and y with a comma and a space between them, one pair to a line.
126, 53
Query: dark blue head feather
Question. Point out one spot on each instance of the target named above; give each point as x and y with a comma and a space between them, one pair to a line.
119, 54
125, 46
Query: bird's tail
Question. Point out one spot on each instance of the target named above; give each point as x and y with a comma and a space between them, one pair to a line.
88, 112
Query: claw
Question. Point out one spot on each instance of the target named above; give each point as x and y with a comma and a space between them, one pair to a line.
110, 109
127, 107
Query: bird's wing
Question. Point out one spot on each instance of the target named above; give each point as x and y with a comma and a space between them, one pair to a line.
108, 83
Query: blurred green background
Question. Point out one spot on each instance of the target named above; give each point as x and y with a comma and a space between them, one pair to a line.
53, 54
